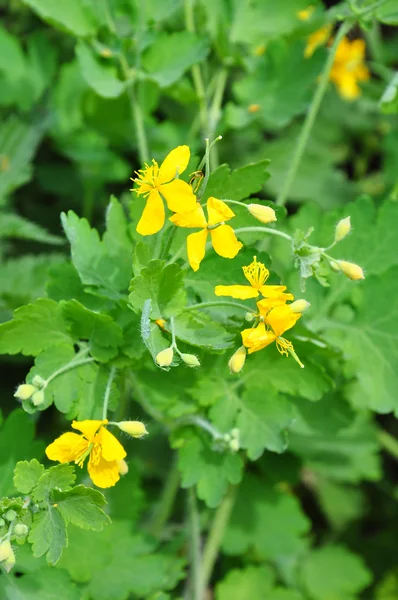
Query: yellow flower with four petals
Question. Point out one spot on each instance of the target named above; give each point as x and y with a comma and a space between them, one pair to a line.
97, 444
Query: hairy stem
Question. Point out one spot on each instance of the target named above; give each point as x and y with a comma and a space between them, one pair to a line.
311, 115
264, 230
217, 303
198, 82
143, 150
108, 392
73, 364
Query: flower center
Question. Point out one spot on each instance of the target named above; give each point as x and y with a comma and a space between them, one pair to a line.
148, 179
79, 461
284, 346
256, 273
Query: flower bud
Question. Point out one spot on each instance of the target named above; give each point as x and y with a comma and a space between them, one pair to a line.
38, 381
123, 467
5, 550
190, 360
343, 228
265, 214
25, 391
351, 270
165, 357
134, 428
235, 432
10, 515
249, 316
237, 360
38, 398
334, 266
9, 562
21, 529
299, 306
234, 445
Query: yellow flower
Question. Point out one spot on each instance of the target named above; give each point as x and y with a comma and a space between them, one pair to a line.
278, 320
156, 183
306, 13
98, 444
349, 68
222, 236
256, 274
316, 39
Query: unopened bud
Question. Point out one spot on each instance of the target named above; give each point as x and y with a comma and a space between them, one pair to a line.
190, 360
351, 270
334, 266
234, 445
38, 398
235, 432
343, 228
227, 437
38, 381
25, 391
21, 529
134, 428
5, 550
237, 360
299, 306
9, 562
265, 214
249, 316
10, 515
165, 357
123, 467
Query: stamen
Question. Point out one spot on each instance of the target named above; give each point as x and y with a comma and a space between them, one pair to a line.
256, 273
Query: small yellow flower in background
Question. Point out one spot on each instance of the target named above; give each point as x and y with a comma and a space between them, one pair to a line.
161, 323
253, 108
350, 270
222, 236
256, 274
156, 183
306, 13
349, 68
316, 39
97, 444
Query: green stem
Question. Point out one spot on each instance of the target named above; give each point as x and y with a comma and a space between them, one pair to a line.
196, 71
216, 534
143, 150
286, 236
108, 392
169, 241
215, 110
217, 303
373, 37
167, 499
389, 443
195, 549
73, 364
199, 422
312, 114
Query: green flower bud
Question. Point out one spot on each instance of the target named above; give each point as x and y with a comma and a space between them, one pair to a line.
38, 381
165, 357
237, 360
249, 316
38, 398
134, 428
25, 391
21, 530
190, 360
235, 432
5, 550
10, 515
343, 228
299, 306
234, 445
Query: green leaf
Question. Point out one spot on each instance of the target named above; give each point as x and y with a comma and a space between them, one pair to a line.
33, 328
238, 184
101, 77
27, 475
91, 257
388, 13
334, 573
210, 471
267, 520
45, 583
73, 16
252, 582
198, 329
389, 100
15, 226
172, 54
161, 284
103, 334
48, 535
60, 477
82, 506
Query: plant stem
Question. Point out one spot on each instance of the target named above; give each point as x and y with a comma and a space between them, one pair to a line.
195, 549
73, 364
108, 392
215, 111
389, 443
143, 150
166, 502
196, 71
169, 241
216, 534
265, 230
312, 114
217, 303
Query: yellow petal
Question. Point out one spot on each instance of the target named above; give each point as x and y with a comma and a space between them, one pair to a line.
179, 196
348, 87
196, 248
67, 447
281, 319
152, 218
264, 306
111, 447
103, 473
257, 338
276, 291
224, 241
193, 218
88, 428
243, 292
218, 211
175, 162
